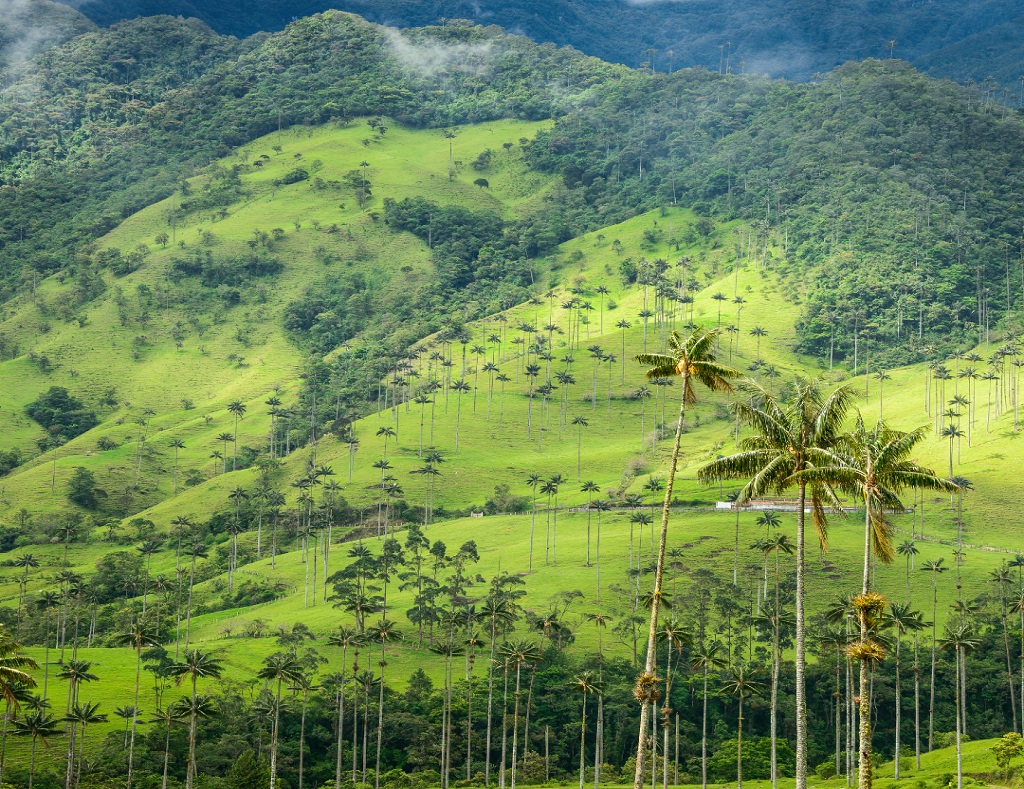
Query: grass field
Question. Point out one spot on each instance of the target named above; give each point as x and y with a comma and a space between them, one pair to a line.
503, 436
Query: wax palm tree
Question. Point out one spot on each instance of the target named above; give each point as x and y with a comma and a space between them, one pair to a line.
708, 658
176, 444
743, 685
934, 567
386, 633
874, 464
599, 506
579, 422
278, 668
344, 638
908, 550
137, 636
516, 654
960, 638
197, 550
26, 562
224, 438
586, 683
758, 332
693, 359
39, 725
902, 619
590, 488
237, 409
196, 665
788, 440
173, 713
622, 326
83, 715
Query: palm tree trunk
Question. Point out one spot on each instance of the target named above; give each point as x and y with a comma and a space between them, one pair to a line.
659, 574
917, 708
583, 740
865, 772
899, 705
801, 635
167, 754
704, 735
341, 724
959, 720
302, 737
273, 736
739, 747
380, 714
135, 712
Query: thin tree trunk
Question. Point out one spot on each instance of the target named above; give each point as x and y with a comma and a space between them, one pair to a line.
801, 660
649, 667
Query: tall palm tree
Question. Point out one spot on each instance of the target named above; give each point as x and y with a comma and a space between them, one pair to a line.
26, 562
590, 488
385, 632
196, 665
39, 725
789, 438
742, 685
83, 715
903, 620
934, 567
237, 409
693, 359
960, 638
278, 668
137, 637
516, 654
173, 713
344, 638
586, 683
579, 422
533, 481
222, 454
197, 551
706, 659
176, 444
874, 463
908, 550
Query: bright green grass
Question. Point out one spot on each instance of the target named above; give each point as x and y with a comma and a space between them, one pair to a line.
491, 451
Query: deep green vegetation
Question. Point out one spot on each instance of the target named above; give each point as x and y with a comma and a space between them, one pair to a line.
285, 316
979, 39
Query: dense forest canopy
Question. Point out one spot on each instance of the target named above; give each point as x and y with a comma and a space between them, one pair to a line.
790, 38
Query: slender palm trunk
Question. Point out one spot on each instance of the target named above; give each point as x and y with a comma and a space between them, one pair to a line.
899, 706
739, 747
865, 773
135, 712
659, 574
959, 721
801, 660
273, 736
583, 738
704, 734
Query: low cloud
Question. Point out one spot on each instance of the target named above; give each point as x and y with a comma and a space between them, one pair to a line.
436, 58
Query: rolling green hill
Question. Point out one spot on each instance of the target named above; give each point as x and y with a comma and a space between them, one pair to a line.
350, 302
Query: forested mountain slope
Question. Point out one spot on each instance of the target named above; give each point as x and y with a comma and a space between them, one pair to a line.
339, 324
790, 38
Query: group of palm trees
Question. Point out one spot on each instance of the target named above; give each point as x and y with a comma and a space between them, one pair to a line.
798, 444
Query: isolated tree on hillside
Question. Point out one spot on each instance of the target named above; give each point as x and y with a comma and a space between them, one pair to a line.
176, 444
237, 409
586, 683
39, 725
934, 567
693, 359
278, 668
